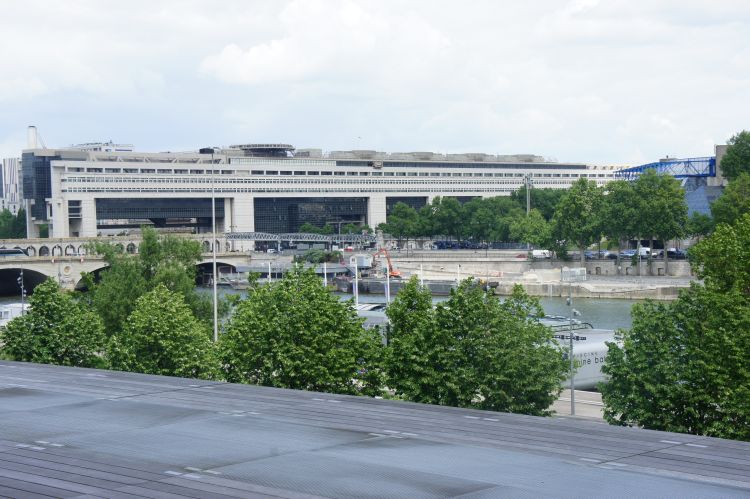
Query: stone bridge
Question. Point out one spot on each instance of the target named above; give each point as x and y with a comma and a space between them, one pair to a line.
65, 260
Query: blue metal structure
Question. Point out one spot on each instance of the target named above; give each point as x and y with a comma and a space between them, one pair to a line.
678, 168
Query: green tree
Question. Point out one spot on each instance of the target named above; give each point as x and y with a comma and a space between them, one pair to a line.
699, 225
620, 212
577, 217
684, 366
161, 336
55, 330
722, 260
474, 351
734, 201
296, 334
663, 210
403, 222
544, 200
447, 217
736, 160
167, 260
406, 365
532, 229
12, 226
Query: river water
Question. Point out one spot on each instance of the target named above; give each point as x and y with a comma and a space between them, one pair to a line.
600, 313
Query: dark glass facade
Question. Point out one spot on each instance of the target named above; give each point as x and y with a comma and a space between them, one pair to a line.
179, 208
36, 176
279, 215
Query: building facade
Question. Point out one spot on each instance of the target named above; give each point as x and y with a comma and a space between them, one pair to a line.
262, 187
10, 185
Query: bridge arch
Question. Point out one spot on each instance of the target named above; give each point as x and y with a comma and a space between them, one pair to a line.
43, 251
131, 248
31, 251
57, 250
70, 250
9, 281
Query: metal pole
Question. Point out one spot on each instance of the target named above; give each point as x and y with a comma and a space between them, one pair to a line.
269, 272
387, 288
23, 291
356, 285
325, 275
458, 274
572, 364
213, 245
421, 274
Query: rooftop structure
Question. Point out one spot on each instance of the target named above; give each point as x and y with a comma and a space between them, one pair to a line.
71, 432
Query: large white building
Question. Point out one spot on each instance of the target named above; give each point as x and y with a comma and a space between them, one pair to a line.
261, 187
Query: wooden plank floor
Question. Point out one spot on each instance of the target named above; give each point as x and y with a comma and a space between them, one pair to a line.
68, 432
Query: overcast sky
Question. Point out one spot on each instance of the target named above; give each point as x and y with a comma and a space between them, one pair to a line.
604, 82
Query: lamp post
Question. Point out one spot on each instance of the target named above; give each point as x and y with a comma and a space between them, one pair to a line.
213, 246
19, 280
570, 276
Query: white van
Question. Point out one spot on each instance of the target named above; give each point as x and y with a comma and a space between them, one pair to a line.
644, 251
541, 254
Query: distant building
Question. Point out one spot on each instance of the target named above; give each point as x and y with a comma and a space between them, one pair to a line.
11, 197
274, 188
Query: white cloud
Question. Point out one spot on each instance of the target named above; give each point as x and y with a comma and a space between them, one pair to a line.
585, 80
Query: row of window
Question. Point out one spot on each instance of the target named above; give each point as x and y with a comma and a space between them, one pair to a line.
331, 173
300, 189
222, 181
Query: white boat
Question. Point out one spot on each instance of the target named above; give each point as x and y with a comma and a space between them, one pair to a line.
10, 311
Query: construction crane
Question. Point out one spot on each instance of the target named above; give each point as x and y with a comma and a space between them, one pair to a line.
392, 272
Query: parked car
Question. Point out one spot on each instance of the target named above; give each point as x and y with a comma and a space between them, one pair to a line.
627, 253
673, 253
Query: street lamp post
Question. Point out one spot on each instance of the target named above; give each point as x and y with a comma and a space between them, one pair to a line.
19, 280
570, 276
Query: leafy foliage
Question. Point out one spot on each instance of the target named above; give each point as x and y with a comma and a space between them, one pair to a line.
55, 330
722, 260
296, 334
578, 215
161, 336
736, 161
684, 366
734, 201
12, 226
473, 351
532, 229
166, 260
699, 225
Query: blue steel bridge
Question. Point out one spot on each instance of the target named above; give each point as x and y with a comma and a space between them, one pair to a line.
679, 168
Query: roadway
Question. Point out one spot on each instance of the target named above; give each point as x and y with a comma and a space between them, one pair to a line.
69, 432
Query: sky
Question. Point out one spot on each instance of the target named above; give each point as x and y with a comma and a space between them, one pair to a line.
620, 82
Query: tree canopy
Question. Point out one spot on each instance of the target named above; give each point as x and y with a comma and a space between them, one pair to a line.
473, 351
55, 330
685, 366
161, 336
736, 160
734, 201
168, 260
294, 333
12, 226
578, 214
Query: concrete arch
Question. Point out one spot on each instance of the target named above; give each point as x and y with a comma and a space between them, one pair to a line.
57, 250
131, 248
70, 250
43, 251
82, 249
31, 251
206, 245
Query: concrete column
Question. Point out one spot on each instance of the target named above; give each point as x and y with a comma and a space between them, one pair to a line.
228, 220
32, 229
243, 218
88, 218
60, 226
376, 214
